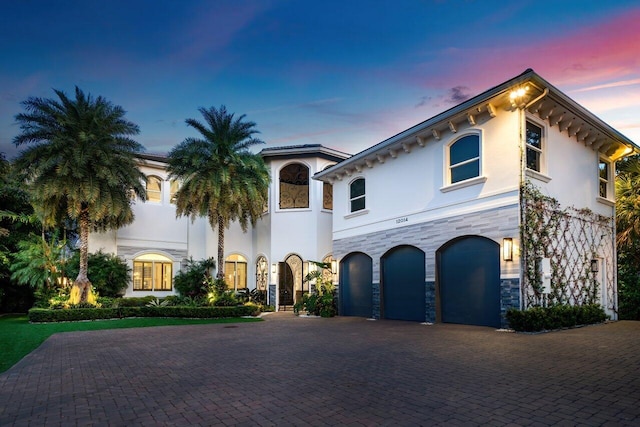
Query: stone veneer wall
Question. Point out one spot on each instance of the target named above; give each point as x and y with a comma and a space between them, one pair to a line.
429, 237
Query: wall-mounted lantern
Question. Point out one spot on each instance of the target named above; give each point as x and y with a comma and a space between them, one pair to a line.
595, 266
507, 249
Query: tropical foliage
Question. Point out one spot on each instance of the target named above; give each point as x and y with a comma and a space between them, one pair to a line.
220, 178
628, 237
110, 275
191, 281
79, 165
322, 302
17, 223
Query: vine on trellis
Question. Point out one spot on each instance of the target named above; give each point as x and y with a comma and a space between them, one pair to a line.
570, 238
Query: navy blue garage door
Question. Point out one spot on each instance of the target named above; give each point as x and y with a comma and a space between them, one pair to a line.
403, 288
469, 281
356, 296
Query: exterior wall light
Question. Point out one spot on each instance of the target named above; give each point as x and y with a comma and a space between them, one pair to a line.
274, 268
595, 266
507, 249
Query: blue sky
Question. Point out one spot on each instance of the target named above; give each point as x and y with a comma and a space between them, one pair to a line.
345, 74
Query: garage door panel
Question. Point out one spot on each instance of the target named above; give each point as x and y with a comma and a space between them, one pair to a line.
403, 284
469, 274
356, 293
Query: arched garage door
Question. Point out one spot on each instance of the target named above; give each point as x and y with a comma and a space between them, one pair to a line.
403, 288
356, 296
469, 281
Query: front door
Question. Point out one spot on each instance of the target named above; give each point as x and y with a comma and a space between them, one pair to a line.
285, 275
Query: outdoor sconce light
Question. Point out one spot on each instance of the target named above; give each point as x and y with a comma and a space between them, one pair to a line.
334, 267
273, 268
507, 249
594, 266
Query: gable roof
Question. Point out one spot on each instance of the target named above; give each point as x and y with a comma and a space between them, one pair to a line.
526, 91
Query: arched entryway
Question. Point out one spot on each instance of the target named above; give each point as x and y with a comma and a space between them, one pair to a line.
290, 274
403, 285
356, 285
469, 281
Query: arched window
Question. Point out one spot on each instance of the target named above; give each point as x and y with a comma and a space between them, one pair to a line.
173, 189
327, 194
154, 189
464, 159
152, 272
357, 195
262, 273
294, 186
235, 272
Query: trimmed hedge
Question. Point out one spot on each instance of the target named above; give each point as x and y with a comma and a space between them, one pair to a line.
555, 317
46, 315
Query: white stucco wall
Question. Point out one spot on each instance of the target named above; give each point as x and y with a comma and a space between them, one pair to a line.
412, 188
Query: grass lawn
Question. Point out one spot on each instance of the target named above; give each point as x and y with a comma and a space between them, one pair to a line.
18, 337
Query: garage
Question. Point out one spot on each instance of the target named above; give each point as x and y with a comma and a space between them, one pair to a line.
469, 281
356, 295
403, 285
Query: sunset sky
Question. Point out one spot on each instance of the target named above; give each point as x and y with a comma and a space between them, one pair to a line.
345, 74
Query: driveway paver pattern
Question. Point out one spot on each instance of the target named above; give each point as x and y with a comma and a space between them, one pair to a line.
341, 371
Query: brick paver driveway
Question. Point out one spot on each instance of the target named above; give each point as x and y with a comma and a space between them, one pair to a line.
341, 371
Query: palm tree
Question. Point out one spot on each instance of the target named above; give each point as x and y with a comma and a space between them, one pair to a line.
628, 201
221, 179
80, 166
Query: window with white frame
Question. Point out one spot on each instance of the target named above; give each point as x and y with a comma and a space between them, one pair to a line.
464, 159
154, 189
604, 179
534, 143
152, 272
235, 272
357, 195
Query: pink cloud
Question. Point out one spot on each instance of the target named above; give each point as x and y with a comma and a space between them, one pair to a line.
593, 55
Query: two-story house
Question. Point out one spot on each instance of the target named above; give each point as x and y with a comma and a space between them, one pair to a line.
272, 256
505, 200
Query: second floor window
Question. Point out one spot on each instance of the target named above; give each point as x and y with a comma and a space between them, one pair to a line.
154, 189
603, 179
464, 158
534, 147
357, 195
294, 186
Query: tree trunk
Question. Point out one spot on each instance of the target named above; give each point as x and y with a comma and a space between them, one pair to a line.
220, 274
81, 290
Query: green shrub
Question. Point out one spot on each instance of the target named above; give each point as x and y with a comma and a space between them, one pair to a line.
225, 299
46, 315
108, 302
67, 315
192, 280
108, 273
554, 317
135, 301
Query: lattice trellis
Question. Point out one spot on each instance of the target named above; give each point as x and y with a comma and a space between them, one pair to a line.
570, 238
